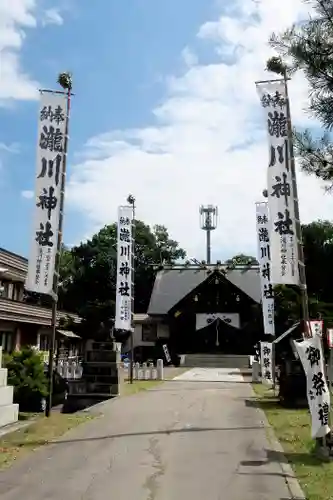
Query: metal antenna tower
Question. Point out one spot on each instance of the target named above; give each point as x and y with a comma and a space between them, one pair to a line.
208, 222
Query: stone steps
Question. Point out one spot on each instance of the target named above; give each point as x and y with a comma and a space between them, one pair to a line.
6, 395
3, 377
216, 361
8, 414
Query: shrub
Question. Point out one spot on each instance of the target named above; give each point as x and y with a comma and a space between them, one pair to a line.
26, 374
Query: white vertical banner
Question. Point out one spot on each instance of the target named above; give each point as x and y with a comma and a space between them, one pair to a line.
264, 259
281, 197
312, 359
123, 320
50, 153
267, 362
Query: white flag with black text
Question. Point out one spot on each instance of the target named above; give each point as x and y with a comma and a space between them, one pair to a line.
281, 196
267, 362
50, 155
312, 359
264, 259
123, 320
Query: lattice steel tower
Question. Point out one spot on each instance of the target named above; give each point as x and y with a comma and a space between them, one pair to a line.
208, 222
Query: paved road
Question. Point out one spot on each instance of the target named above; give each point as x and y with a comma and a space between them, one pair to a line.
194, 438
212, 375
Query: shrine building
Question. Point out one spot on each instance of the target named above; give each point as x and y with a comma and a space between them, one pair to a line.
202, 309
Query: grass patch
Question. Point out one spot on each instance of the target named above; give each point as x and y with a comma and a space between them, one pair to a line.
42, 431
293, 429
24, 416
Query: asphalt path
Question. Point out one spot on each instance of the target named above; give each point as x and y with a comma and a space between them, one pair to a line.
198, 437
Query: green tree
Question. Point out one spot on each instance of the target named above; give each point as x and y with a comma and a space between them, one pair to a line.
26, 374
318, 252
309, 47
88, 272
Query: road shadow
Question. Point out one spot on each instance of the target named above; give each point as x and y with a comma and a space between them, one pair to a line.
270, 403
187, 389
208, 381
166, 432
258, 473
263, 404
285, 457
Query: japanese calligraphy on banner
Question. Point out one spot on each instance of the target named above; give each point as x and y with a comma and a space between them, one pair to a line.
312, 359
283, 238
50, 152
166, 353
123, 319
264, 259
267, 362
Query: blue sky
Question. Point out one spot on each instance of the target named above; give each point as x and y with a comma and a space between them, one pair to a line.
119, 53
164, 107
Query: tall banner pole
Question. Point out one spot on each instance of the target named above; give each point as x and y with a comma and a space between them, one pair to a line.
288, 266
317, 409
285, 227
131, 200
44, 258
264, 259
58, 259
123, 317
301, 261
267, 354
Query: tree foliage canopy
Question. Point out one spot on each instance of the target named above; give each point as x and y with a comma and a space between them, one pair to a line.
88, 272
318, 252
308, 46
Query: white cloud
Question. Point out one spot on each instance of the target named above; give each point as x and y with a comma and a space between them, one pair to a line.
189, 57
207, 144
52, 16
12, 148
27, 194
15, 17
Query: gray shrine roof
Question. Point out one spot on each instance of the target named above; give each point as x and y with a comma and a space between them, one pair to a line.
172, 285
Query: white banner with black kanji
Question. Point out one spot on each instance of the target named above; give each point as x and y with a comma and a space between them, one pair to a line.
264, 259
48, 186
123, 320
281, 195
312, 359
267, 362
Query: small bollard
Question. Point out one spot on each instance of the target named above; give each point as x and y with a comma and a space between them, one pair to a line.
136, 371
255, 372
151, 370
140, 373
145, 371
160, 371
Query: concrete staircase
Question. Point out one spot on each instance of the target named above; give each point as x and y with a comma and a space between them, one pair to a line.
216, 361
8, 410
